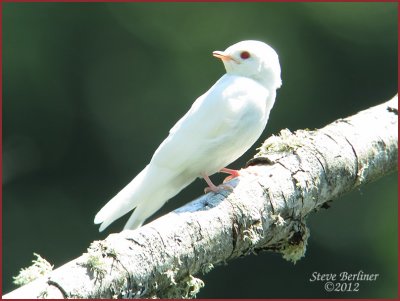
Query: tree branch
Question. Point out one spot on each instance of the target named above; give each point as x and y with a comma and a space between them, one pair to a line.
293, 175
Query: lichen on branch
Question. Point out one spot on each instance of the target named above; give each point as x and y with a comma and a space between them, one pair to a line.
293, 174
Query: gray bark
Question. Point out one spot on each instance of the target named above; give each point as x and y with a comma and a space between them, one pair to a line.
293, 175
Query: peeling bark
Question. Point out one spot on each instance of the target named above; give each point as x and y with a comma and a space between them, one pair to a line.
293, 175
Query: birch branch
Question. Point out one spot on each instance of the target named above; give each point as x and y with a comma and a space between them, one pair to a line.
293, 175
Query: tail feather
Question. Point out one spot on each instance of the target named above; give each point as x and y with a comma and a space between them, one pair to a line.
159, 195
147, 192
135, 220
126, 200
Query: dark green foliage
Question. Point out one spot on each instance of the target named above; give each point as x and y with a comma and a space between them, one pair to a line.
90, 91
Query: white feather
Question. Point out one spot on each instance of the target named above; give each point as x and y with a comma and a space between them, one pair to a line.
220, 126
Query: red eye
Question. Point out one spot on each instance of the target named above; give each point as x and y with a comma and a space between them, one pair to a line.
244, 55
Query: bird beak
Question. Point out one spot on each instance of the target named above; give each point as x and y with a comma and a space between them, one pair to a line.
223, 56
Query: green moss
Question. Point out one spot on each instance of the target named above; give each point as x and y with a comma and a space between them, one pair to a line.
39, 268
295, 248
95, 256
186, 288
207, 268
251, 236
96, 265
171, 275
285, 142
278, 220
192, 286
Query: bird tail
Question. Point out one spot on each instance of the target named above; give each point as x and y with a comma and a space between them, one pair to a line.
147, 192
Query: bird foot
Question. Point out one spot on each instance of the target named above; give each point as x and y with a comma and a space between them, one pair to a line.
213, 188
218, 189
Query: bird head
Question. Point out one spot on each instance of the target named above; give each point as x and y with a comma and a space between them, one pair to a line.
253, 59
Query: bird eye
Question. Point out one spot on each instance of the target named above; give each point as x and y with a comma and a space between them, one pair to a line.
244, 55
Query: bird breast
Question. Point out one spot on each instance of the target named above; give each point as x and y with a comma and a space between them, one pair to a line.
240, 111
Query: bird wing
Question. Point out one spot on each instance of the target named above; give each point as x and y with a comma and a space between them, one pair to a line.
212, 121
213, 118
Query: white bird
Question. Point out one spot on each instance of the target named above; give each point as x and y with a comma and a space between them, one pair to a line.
221, 126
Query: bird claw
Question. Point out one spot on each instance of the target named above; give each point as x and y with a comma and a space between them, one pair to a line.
218, 189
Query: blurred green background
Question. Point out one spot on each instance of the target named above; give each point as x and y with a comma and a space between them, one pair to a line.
91, 90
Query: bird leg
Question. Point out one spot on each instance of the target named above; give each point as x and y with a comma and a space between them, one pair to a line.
233, 173
212, 187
